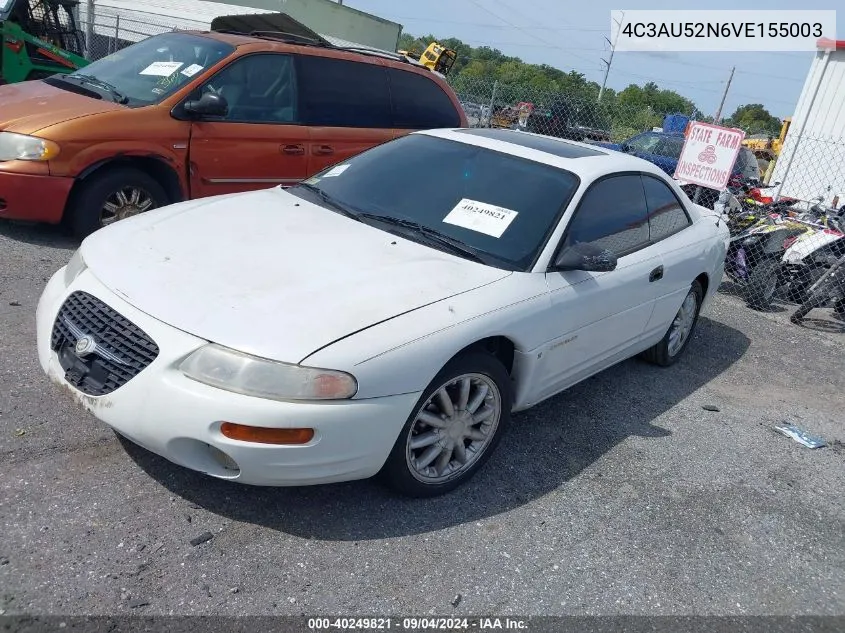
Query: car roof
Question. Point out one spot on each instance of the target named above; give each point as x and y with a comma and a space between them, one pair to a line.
254, 43
583, 159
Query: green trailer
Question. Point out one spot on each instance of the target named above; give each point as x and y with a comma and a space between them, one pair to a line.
39, 38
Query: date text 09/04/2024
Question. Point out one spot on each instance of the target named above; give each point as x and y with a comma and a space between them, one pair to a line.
417, 624
723, 29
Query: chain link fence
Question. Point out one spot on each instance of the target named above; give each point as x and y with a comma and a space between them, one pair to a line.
106, 31
785, 214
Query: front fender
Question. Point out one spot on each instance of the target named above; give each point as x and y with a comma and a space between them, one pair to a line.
404, 354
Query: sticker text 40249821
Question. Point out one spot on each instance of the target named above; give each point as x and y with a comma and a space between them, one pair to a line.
481, 217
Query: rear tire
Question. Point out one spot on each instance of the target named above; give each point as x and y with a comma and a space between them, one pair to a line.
669, 349
437, 451
97, 202
762, 285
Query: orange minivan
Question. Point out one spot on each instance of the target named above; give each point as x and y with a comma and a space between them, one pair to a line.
192, 114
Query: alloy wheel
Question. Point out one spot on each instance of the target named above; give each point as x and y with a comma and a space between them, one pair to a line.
453, 428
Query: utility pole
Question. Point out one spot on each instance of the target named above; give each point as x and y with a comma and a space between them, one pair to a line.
608, 62
718, 116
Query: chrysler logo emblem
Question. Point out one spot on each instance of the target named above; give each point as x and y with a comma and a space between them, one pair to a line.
85, 345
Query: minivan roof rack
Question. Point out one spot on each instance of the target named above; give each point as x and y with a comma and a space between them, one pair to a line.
283, 28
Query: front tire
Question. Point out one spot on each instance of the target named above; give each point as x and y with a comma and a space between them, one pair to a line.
672, 346
762, 285
113, 195
453, 429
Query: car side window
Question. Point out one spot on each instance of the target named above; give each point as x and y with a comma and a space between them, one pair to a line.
645, 143
612, 215
343, 93
666, 214
258, 89
419, 103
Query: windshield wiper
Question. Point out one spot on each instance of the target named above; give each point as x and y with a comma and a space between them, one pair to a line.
337, 205
451, 243
118, 96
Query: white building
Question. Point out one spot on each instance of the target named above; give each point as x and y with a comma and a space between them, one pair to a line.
812, 162
120, 22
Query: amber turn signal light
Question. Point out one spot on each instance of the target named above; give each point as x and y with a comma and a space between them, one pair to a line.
265, 435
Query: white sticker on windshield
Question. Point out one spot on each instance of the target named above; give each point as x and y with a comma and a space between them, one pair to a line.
162, 69
192, 70
336, 171
481, 217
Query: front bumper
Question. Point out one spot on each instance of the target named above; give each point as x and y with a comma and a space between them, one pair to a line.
178, 418
33, 197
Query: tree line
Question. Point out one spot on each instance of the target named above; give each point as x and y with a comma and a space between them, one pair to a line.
636, 108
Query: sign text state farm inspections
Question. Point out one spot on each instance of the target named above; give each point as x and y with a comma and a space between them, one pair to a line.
708, 155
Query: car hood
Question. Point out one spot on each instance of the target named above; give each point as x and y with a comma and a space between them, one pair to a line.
33, 105
270, 274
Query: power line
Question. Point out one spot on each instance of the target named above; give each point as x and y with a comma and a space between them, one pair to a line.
497, 16
487, 25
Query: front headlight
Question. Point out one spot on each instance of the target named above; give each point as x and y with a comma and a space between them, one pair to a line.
249, 375
74, 267
22, 147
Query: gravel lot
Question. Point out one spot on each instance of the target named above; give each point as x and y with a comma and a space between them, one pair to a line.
622, 495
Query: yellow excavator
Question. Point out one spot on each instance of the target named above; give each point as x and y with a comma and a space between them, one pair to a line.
436, 57
767, 148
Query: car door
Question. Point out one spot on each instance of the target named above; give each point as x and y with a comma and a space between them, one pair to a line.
418, 103
346, 105
681, 246
260, 142
600, 317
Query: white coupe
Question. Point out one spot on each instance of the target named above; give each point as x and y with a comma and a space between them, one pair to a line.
385, 316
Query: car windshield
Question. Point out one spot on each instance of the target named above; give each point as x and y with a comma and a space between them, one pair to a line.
151, 70
659, 144
476, 202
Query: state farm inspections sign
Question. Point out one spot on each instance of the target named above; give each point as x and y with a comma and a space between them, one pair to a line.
709, 154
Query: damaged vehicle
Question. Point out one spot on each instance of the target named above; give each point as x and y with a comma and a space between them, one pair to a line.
366, 322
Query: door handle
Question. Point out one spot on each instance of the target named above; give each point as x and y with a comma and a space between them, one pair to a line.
293, 149
324, 150
656, 274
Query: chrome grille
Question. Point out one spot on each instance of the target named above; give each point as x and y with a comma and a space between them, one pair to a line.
123, 349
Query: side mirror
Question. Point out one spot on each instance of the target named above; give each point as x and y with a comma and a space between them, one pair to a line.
625, 147
586, 257
209, 104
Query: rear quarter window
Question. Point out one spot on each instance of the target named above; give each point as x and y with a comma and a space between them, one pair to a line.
343, 93
419, 103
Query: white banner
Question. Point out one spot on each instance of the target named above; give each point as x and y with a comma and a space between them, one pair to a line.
721, 30
708, 155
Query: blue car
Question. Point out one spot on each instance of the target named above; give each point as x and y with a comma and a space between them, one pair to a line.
659, 148
664, 150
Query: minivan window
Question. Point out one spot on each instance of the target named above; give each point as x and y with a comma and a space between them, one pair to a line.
518, 202
151, 70
342, 93
419, 103
258, 89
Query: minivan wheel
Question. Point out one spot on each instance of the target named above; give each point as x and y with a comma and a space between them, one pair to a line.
111, 196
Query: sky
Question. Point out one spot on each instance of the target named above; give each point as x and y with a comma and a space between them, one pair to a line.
570, 35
